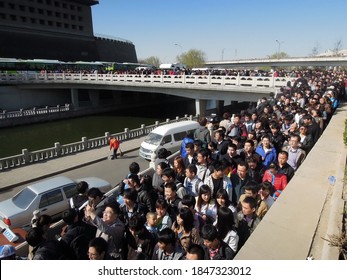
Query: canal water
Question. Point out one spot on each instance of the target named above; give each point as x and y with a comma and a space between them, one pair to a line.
43, 135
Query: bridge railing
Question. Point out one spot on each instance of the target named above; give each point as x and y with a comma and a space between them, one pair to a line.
203, 80
59, 150
34, 111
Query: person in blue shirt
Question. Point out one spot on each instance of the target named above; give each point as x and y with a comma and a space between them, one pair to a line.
189, 138
266, 151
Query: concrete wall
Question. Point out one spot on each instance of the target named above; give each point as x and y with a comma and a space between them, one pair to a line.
309, 209
14, 98
116, 51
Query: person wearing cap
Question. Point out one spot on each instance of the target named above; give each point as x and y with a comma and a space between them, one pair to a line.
8, 252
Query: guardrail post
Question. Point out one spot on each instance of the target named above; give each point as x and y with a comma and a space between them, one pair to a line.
107, 137
156, 123
191, 117
126, 133
26, 157
167, 120
143, 128
272, 81
177, 118
21, 112
84, 143
57, 147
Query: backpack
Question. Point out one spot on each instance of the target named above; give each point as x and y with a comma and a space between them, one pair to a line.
244, 231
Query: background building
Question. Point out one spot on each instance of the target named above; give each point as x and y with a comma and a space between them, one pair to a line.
57, 29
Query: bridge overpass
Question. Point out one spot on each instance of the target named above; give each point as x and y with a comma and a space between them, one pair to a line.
202, 88
283, 62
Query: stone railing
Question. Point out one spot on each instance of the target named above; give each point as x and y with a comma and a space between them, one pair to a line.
85, 144
201, 80
34, 112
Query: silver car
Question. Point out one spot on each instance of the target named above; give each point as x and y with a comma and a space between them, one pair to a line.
50, 197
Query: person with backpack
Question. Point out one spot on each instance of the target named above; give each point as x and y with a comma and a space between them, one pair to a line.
202, 133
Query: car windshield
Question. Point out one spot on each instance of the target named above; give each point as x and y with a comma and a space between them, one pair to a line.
24, 198
153, 138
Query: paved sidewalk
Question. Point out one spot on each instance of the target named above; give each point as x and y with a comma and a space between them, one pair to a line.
22, 175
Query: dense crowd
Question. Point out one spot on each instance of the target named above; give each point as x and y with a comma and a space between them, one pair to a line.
209, 201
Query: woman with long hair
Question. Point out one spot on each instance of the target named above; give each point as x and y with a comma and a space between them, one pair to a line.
226, 227
179, 168
184, 229
205, 206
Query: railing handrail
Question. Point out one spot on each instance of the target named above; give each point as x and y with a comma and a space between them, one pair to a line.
35, 111
85, 144
176, 79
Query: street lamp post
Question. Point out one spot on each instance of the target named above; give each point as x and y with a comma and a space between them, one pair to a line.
279, 46
180, 47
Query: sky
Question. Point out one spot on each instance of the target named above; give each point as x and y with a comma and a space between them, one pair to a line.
223, 29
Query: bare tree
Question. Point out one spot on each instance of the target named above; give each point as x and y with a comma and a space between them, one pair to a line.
315, 50
337, 47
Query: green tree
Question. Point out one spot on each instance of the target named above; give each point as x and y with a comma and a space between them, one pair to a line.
192, 58
152, 60
278, 55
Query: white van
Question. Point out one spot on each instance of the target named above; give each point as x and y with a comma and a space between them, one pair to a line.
168, 136
172, 66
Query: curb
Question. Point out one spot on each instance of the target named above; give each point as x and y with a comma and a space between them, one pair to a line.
5, 188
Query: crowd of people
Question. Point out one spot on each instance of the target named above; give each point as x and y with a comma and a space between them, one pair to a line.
207, 203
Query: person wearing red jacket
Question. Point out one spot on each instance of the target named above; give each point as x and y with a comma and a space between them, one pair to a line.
114, 146
279, 181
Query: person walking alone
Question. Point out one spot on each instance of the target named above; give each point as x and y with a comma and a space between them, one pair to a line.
114, 146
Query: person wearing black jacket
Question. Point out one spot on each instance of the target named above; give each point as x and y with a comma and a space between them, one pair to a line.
76, 234
214, 247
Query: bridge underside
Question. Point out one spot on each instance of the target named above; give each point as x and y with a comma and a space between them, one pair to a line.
202, 96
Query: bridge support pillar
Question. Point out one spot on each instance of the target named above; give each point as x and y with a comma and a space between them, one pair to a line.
94, 97
74, 98
200, 107
220, 106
